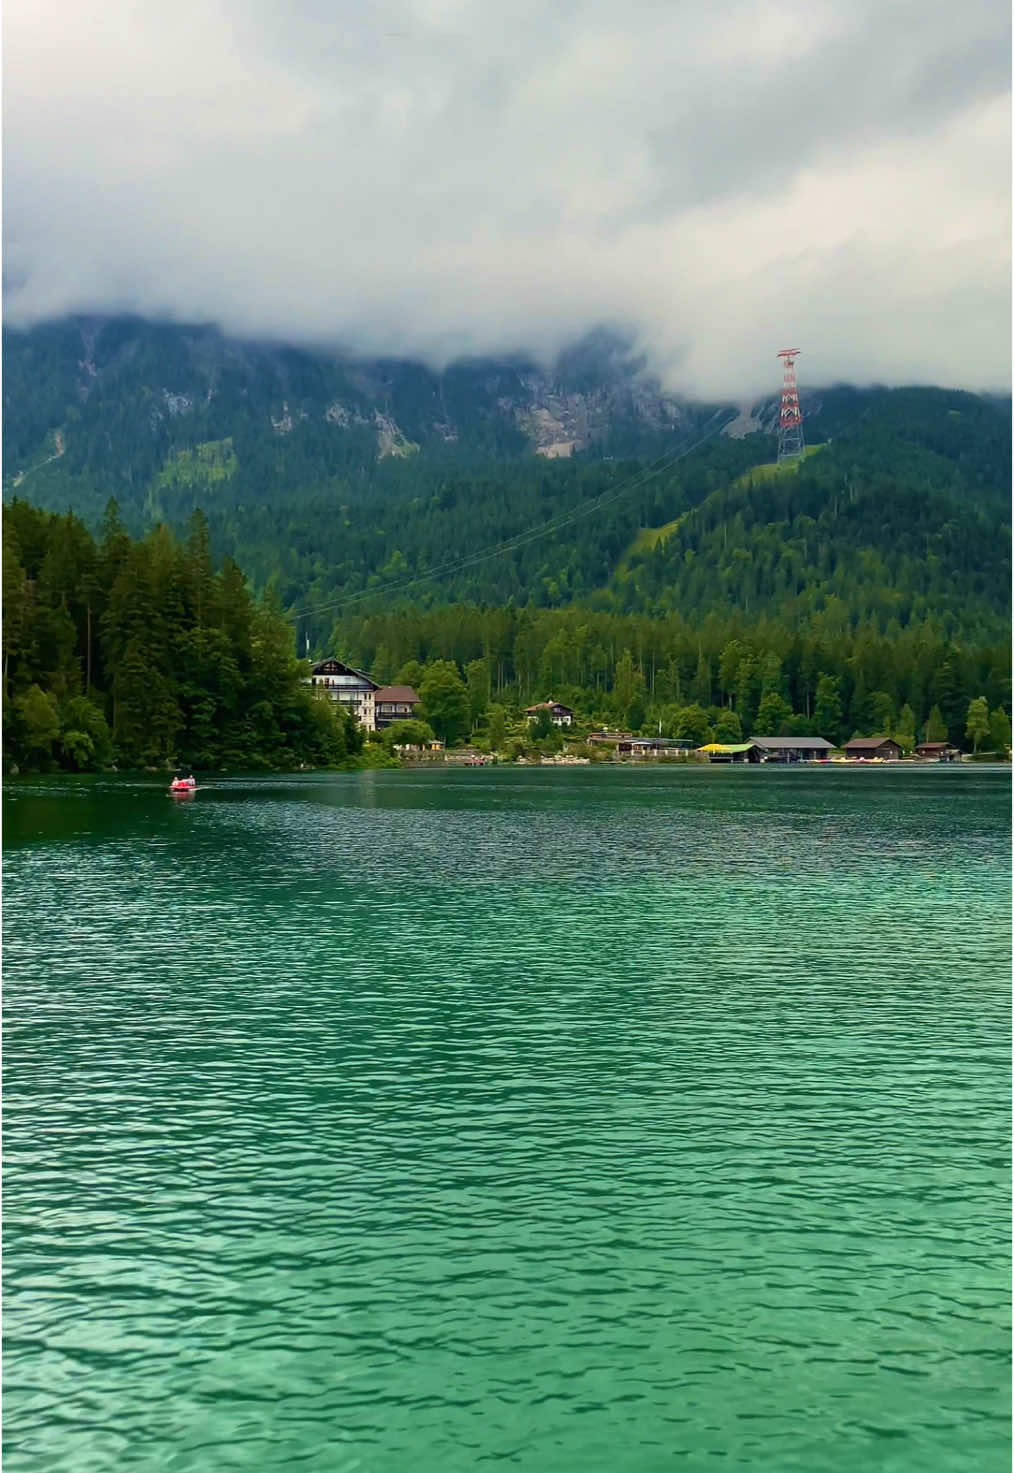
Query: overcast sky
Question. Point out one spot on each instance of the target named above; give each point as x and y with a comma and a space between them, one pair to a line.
437, 177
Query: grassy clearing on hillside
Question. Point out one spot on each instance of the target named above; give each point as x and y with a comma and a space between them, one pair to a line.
650, 537
193, 473
644, 542
774, 468
206, 465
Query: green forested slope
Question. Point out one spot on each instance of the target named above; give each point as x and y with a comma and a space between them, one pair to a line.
901, 518
400, 515
327, 479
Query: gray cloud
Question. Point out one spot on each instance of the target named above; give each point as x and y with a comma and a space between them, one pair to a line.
433, 177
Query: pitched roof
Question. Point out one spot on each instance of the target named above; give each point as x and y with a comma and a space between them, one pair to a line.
793, 744
726, 747
548, 706
657, 741
338, 667
869, 743
401, 695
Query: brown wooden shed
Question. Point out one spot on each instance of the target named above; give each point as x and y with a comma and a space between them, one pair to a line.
884, 747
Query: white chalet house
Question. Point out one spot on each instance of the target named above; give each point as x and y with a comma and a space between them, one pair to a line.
351, 687
559, 715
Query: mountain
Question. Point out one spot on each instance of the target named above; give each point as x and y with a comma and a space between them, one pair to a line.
161, 390
349, 484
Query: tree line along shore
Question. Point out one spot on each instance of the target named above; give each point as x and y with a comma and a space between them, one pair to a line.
144, 653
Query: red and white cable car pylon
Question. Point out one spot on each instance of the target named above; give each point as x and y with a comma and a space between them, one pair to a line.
790, 420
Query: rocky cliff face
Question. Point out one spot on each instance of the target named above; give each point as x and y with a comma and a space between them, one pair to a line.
191, 384
559, 419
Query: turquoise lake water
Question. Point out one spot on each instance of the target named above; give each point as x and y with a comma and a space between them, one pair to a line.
577, 1120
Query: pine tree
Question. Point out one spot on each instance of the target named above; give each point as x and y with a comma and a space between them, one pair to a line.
747, 682
904, 728
700, 687
771, 675
16, 599
199, 566
628, 687
934, 730
879, 712
827, 709
728, 668
497, 727
951, 696
477, 678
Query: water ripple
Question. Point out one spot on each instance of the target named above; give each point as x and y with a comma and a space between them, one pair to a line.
571, 1121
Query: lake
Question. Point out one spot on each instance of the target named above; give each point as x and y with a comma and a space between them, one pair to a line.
566, 1120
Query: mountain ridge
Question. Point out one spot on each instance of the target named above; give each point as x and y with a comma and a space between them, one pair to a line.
191, 383
335, 479
182, 372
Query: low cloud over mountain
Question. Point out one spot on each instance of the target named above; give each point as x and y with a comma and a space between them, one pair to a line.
456, 176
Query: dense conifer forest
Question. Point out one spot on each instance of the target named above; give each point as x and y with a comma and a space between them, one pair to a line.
141, 653
722, 677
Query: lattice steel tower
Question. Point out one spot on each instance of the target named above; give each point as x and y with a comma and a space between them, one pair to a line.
790, 421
